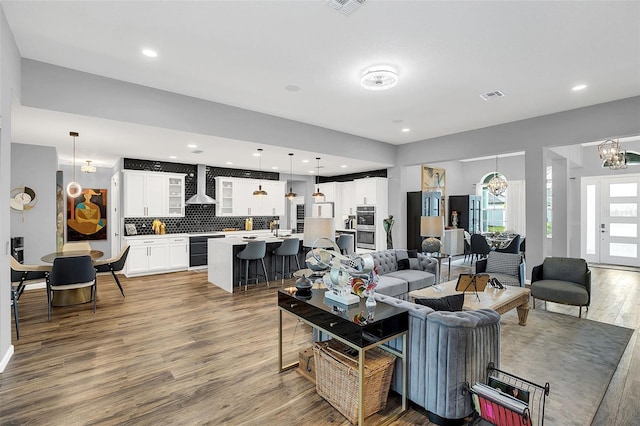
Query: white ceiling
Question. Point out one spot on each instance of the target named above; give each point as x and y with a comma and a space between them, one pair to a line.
246, 53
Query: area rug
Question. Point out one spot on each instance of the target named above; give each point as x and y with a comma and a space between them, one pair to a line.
576, 356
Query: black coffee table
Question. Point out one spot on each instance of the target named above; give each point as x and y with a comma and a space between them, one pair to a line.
345, 325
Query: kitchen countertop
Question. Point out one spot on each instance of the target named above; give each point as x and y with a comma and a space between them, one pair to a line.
228, 234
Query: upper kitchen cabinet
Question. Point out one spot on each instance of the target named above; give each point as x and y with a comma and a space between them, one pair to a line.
370, 191
348, 190
153, 194
235, 197
329, 191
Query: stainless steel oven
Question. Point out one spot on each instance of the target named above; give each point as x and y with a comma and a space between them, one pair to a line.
366, 227
366, 238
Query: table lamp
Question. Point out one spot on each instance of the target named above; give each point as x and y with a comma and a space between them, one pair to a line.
317, 228
431, 227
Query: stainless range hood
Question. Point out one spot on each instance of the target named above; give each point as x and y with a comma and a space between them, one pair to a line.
201, 197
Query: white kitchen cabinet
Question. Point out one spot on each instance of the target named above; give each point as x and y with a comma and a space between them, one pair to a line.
366, 191
348, 205
179, 253
153, 194
156, 254
238, 198
329, 191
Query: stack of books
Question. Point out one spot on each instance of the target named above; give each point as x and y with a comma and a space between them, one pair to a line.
501, 403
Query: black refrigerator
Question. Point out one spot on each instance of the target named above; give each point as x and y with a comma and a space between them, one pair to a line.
420, 204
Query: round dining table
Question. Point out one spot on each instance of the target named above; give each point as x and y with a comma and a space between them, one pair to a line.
74, 296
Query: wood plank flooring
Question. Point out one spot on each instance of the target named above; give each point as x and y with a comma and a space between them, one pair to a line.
178, 350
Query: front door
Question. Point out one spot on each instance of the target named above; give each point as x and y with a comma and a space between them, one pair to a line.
610, 205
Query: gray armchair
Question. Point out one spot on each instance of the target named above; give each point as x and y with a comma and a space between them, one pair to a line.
562, 280
508, 268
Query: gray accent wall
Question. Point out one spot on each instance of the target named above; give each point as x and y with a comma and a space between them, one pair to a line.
9, 91
35, 166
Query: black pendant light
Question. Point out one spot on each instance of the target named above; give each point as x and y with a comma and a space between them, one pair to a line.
260, 192
291, 195
318, 196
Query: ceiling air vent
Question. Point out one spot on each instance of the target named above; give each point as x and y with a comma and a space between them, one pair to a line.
346, 7
197, 151
492, 95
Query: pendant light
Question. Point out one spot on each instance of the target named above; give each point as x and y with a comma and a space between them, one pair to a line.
318, 196
260, 192
73, 188
291, 195
88, 168
498, 184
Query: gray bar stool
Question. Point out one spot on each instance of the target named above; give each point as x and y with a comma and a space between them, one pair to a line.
255, 250
289, 247
344, 242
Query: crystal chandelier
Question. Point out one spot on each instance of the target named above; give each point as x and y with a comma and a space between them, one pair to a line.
612, 155
498, 184
88, 168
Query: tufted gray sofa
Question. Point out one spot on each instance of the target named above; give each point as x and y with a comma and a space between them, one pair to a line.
445, 350
398, 283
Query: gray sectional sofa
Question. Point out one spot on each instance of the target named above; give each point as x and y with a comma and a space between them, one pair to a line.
396, 282
445, 349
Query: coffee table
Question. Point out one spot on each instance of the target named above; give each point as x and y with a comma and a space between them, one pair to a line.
500, 301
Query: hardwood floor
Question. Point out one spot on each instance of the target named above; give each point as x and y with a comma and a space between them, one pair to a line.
178, 350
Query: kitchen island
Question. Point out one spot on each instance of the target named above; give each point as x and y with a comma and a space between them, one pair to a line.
224, 265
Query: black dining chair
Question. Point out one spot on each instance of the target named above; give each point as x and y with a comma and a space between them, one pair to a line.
70, 273
479, 247
512, 247
113, 265
20, 274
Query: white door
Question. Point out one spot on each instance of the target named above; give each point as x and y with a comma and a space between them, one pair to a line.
611, 220
114, 224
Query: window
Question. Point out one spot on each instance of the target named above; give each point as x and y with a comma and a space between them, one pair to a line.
549, 200
493, 209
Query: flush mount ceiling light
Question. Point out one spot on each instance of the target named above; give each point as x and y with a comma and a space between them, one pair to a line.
73, 188
259, 192
290, 195
379, 80
318, 196
150, 53
498, 183
88, 168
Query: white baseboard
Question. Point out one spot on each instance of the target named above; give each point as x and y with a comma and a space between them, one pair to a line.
5, 359
35, 285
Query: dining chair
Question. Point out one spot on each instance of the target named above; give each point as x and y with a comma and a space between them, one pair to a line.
467, 245
20, 274
80, 246
479, 246
512, 247
344, 242
113, 265
70, 273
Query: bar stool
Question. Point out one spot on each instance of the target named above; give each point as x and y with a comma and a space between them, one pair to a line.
255, 250
289, 247
344, 242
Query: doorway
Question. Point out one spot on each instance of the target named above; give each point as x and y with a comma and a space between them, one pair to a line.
610, 219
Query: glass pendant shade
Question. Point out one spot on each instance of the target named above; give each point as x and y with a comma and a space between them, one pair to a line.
73, 188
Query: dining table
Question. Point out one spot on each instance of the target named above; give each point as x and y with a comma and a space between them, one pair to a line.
74, 296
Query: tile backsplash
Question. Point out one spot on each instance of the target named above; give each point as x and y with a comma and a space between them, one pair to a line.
197, 218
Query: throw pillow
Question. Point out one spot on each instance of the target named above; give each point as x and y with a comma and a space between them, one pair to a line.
414, 263
503, 263
403, 259
451, 303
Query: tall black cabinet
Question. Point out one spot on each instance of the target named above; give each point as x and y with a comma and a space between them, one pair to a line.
469, 208
414, 211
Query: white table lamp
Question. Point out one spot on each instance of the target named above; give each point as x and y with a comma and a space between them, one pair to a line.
431, 227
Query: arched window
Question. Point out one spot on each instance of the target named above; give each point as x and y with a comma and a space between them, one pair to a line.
493, 207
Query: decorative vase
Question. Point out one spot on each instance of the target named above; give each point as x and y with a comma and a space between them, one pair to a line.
371, 301
454, 219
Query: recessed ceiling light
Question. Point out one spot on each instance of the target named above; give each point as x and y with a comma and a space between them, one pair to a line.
150, 53
274, 167
256, 154
579, 87
312, 171
192, 145
173, 157
228, 163
406, 130
344, 166
305, 161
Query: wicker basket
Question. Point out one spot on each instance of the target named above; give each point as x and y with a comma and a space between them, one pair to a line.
337, 378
